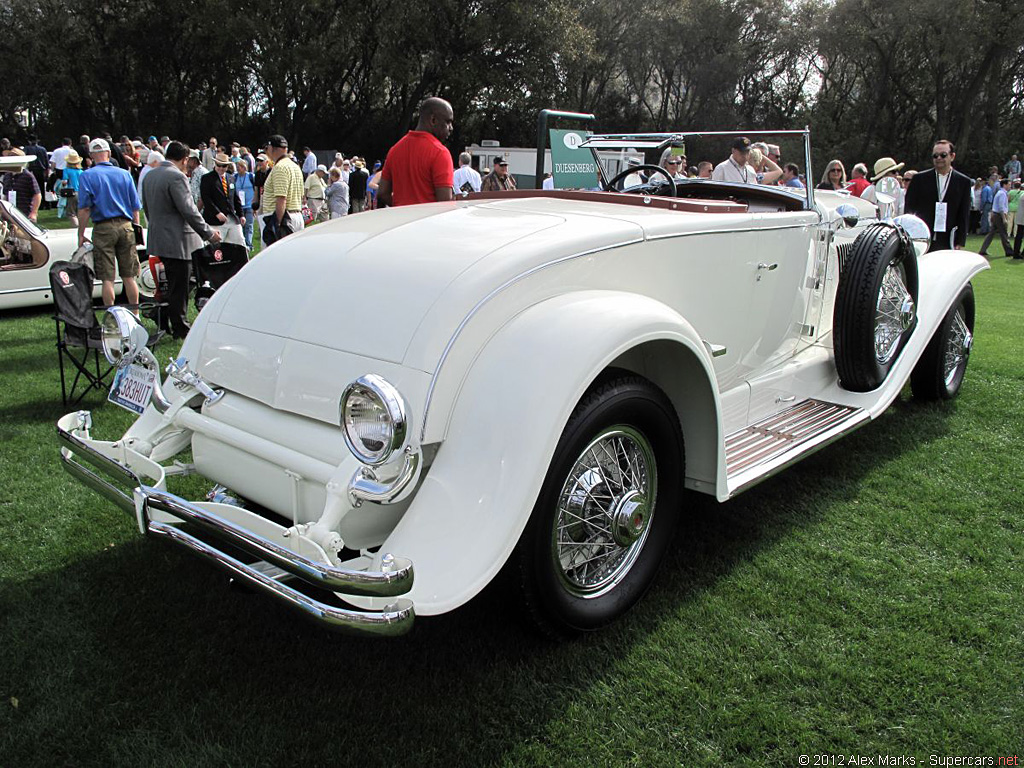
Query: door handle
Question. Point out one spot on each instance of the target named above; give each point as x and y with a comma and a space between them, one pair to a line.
769, 267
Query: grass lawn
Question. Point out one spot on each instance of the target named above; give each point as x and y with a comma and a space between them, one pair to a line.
868, 601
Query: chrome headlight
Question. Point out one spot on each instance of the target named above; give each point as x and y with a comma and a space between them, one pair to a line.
123, 336
373, 419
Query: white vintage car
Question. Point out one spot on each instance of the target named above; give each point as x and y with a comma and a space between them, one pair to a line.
521, 380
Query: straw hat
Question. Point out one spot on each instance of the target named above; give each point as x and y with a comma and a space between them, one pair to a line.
73, 158
222, 159
885, 165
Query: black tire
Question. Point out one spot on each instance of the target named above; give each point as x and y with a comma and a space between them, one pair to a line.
628, 413
866, 345
939, 373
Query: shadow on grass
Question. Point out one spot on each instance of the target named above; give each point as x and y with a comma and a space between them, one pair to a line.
140, 654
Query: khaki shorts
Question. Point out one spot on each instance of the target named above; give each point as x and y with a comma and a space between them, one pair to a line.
113, 241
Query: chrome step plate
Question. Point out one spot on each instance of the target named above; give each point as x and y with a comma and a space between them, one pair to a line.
762, 449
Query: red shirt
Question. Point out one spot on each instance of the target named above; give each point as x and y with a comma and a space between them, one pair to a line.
858, 185
415, 165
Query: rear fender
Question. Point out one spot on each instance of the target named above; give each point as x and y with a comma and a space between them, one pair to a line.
479, 492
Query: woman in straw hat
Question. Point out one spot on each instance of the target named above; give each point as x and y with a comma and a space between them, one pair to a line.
67, 188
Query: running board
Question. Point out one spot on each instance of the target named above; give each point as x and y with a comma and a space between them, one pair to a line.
759, 451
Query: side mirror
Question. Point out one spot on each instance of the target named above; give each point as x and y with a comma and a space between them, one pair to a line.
849, 214
887, 190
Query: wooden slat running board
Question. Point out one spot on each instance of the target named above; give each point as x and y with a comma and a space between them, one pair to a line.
762, 449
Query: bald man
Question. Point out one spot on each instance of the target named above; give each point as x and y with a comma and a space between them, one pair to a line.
418, 168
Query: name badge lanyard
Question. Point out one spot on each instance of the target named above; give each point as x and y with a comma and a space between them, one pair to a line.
940, 206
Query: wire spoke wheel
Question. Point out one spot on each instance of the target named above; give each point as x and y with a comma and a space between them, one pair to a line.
604, 511
894, 313
957, 348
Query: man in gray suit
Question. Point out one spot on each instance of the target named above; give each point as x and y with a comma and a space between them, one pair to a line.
176, 229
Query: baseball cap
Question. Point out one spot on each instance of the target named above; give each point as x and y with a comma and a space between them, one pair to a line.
277, 140
261, 157
322, 168
194, 153
99, 145
741, 142
633, 161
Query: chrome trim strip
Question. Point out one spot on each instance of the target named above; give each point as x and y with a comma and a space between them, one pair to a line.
479, 305
12, 291
395, 619
734, 231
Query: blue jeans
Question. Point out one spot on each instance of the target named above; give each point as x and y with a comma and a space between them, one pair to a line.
247, 227
986, 225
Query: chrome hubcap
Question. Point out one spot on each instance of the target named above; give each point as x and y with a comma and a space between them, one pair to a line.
604, 512
958, 347
894, 314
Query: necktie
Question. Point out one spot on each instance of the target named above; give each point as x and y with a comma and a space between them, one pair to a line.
224, 183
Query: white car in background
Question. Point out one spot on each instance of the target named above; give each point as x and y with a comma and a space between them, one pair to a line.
522, 380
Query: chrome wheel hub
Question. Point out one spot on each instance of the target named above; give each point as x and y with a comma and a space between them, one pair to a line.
604, 512
629, 520
894, 314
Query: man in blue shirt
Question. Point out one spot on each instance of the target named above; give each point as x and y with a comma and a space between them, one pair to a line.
988, 191
107, 194
1000, 207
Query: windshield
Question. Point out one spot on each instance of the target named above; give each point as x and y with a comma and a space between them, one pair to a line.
21, 219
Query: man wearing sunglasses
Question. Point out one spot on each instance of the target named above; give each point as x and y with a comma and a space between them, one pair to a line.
941, 197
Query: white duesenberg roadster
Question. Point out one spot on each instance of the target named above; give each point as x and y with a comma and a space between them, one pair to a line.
523, 380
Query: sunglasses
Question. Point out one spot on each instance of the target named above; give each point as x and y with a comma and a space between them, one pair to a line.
938, 155
835, 170
673, 162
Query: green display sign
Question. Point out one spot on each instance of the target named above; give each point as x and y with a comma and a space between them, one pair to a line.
572, 167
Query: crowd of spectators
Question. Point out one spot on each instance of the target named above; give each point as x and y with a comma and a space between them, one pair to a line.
349, 186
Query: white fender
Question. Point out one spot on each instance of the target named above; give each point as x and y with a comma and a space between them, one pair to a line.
479, 492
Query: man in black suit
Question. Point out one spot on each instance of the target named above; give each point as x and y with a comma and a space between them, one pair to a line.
941, 197
217, 191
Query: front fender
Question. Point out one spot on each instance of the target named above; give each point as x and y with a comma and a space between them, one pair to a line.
481, 488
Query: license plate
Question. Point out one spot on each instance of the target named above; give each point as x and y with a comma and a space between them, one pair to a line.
132, 387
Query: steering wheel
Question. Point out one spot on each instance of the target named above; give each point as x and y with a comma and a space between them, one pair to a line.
644, 188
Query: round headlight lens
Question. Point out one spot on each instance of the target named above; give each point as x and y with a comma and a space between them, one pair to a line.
372, 419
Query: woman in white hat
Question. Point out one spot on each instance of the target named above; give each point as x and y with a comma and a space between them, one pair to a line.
885, 166
67, 188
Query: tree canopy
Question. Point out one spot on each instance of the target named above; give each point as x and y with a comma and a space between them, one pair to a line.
871, 77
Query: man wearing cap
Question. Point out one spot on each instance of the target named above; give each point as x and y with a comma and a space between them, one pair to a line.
498, 179
736, 169
418, 169
313, 189
635, 179
884, 166
176, 229
107, 195
217, 191
282, 192
466, 179
941, 197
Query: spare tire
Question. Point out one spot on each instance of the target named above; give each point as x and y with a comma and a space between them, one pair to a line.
875, 309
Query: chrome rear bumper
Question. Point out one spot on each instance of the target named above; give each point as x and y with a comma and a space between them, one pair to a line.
143, 500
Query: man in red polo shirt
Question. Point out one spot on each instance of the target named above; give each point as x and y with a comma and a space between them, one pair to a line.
418, 168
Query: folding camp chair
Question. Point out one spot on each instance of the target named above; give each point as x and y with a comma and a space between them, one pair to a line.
78, 330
